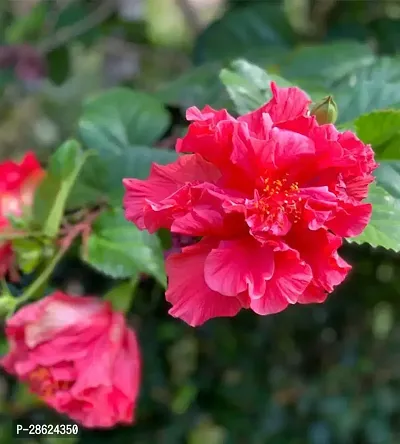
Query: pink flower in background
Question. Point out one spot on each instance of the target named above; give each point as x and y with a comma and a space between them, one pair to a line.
26, 61
79, 356
271, 195
18, 183
6, 252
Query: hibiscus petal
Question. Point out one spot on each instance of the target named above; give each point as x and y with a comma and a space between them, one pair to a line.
290, 147
259, 123
192, 300
261, 157
252, 156
350, 219
239, 265
362, 153
193, 210
14, 174
285, 104
163, 182
313, 294
291, 277
209, 134
357, 187
207, 115
319, 250
319, 205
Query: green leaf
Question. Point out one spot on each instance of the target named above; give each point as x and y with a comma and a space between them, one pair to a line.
71, 15
248, 85
101, 178
87, 191
207, 432
116, 124
246, 96
386, 68
58, 65
383, 229
330, 62
53, 192
65, 159
381, 129
198, 86
29, 254
27, 27
367, 89
348, 29
7, 305
184, 398
122, 294
119, 249
261, 78
45, 197
260, 25
121, 118
388, 177
7, 76
387, 32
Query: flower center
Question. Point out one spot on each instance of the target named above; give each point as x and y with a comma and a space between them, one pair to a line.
44, 385
276, 198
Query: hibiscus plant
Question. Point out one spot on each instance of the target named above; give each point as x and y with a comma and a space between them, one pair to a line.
246, 212
258, 206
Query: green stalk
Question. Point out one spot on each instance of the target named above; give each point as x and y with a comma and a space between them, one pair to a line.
41, 281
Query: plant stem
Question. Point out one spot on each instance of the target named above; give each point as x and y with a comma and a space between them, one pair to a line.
64, 35
41, 280
20, 235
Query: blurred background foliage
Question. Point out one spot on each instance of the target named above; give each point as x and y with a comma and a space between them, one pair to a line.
326, 374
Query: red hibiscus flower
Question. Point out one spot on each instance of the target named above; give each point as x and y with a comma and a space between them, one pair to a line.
79, 356
271, 195
18, 183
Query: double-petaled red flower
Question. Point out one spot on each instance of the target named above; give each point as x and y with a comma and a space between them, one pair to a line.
18, 183
271, 195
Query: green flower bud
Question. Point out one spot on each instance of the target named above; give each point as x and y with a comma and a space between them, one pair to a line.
7, 304
325, 111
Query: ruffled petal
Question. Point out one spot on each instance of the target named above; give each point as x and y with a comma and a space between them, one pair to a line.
290, 148
194, 211
350, 219
192, 300
209, 134
362, 154
285, 104
319, 250
276, 152
252, 156
239, 265
291, 278
163, 182
320, 205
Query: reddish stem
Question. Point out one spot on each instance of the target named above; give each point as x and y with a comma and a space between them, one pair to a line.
82, 228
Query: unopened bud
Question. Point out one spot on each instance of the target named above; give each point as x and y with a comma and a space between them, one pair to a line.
7, 304
325, 111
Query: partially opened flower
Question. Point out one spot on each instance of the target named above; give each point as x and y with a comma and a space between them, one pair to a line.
18, 183
79, 356
270, 195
